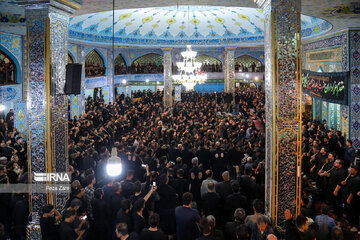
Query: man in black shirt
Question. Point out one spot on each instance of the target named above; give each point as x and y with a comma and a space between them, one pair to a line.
211, 201
153, 233
47, 222
123, 234
66, 230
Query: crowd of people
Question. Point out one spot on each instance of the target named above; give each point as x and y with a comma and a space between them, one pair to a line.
94, 70
215, 67
196, 171
253, 67
139, 68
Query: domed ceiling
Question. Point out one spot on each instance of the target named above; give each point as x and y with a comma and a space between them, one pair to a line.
181, 25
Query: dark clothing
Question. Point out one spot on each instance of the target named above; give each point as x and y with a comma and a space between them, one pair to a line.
139, 223
165, 208
230, 230
292, 233
186, 223
67, 231
211, 202
49, 231
208, 238
101, 217
122, 217
146, 234
234, 201
223, 189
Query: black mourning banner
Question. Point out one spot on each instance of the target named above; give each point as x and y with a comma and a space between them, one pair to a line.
330, 87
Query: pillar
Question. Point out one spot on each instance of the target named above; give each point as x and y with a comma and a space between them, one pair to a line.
47, 106
167, 77
354, 53
283, 107
230, 69
110, 75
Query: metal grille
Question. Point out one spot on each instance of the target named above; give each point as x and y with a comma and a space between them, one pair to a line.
151, 58
205, 59
94, 58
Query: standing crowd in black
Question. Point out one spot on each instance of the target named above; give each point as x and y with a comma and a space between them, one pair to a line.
190, 172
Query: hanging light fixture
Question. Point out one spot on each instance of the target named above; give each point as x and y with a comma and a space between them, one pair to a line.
189, 70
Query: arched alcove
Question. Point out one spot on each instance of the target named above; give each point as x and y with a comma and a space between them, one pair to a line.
94, 64
120, 65
209, 63
8, 69
248, 63
148, 63
70, 59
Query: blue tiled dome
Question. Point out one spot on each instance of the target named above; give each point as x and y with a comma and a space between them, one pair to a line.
181, 25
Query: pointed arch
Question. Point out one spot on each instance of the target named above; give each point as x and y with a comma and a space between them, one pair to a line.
9, 69
94, 64
209, 63
246, 63
120, 65
70, 58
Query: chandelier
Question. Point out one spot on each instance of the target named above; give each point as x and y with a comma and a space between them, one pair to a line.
189, 70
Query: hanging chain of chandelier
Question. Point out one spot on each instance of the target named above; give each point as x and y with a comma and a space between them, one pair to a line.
189, 71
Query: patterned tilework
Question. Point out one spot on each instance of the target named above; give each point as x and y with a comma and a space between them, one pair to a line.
36, 106
20, 122
12, 43
284, 86
354, 57
181, 25
10, 93
72, 48
167, 78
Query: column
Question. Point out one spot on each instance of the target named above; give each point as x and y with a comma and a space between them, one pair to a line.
230, 69
167, 77
81, 59
283, 107
110, 68
47, 106
354, 50
224, 69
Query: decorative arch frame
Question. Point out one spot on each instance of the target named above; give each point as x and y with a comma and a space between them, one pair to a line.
17, 64
102, 57
122, 57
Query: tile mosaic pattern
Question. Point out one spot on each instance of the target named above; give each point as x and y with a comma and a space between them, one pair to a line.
283, 132
20, 121
36, 106
37, 113
181, 25
354, 56
167, 78
230, 70
12, 43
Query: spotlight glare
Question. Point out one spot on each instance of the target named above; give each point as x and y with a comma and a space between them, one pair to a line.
114, 166
113, 169
2, 107
124, 81
147, 80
